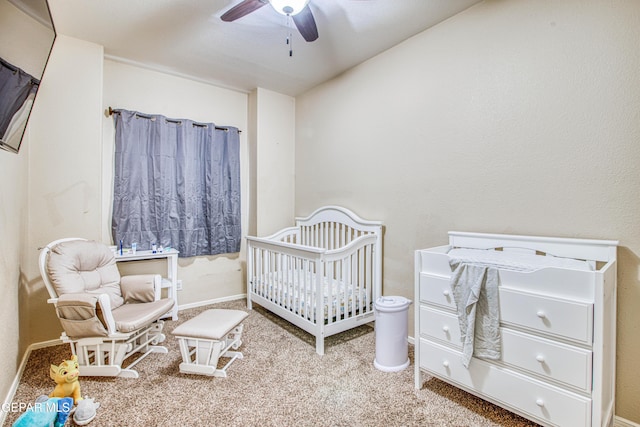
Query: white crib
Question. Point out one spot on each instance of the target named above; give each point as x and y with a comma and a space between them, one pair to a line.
323, 275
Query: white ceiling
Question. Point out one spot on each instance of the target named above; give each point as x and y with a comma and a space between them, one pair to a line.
187, 37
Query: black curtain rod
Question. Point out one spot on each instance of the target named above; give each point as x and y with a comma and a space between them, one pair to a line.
16, 69
112, 112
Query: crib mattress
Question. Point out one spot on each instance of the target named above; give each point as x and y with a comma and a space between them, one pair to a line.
514, 260
300, 301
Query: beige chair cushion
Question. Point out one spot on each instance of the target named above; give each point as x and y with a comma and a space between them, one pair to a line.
130, 317
85, 266
212, 324
138, 288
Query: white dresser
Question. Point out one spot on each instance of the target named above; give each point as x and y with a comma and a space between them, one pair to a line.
557, 324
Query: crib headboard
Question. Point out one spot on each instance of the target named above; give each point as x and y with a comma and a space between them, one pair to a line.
332, 227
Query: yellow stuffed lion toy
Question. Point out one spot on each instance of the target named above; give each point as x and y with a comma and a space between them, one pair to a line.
66, 377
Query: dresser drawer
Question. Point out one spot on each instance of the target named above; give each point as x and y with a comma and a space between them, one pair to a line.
436, 324
564, 363
436, 290
559, 317
549, 359
537, 400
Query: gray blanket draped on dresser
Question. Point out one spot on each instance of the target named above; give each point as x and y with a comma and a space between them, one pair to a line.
475, 291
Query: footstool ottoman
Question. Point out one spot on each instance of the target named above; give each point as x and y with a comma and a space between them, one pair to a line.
208, 337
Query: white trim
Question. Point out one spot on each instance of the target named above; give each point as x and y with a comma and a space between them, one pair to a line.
44, 344
621, 422
211, 301
18, 377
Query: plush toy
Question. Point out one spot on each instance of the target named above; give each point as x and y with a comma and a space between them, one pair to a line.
86, 411
66, 376
47, 412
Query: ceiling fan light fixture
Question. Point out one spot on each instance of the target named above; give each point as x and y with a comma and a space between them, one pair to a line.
288, 7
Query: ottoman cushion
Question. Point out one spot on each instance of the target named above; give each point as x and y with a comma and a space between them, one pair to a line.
212, 324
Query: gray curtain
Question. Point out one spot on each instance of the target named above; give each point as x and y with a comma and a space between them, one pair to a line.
177, 184
15, 87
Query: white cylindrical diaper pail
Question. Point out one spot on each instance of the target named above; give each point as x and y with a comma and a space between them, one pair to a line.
392, 347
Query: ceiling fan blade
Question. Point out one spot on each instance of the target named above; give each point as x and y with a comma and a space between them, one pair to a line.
306, 24
243, 8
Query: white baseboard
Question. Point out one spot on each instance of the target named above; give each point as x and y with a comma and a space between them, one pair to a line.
43, 344
211, 301
621, 422
16, 381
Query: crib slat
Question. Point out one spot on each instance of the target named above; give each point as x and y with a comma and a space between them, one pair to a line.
345, 287
327, 229
260, 282
330, 273
362, 270
332, 235
369, 278
300, 288
291, 282
308, 303
355, 283
283, 282
317, 294
265, 274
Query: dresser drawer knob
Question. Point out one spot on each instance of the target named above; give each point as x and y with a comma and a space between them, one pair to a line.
541, 314
540, 403
445, 292
445, 329
445, 363
540, 358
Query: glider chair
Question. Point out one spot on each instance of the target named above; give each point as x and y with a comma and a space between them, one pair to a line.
106, 318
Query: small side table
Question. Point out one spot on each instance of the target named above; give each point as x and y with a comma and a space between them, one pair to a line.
170, 282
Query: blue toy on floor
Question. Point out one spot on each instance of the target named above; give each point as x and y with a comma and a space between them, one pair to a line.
52, 412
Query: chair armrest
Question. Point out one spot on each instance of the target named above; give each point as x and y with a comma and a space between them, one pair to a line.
84, 314
139, 288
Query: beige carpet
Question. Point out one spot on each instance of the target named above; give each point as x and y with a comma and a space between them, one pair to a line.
280, 382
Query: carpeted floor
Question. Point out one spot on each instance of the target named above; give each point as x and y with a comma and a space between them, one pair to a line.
280, 382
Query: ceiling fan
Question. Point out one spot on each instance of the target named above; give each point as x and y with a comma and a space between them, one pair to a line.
298, 10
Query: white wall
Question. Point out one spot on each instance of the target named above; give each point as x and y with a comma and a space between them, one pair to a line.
21, 45
512, 117
13, 206
275, 161
134, 88
64, 190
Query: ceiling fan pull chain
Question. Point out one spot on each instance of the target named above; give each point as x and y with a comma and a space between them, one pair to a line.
290, 45
289, 35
